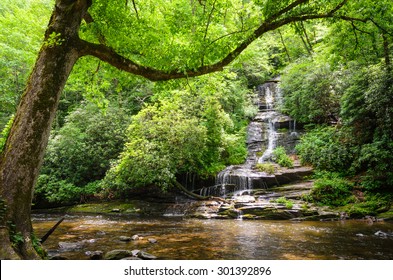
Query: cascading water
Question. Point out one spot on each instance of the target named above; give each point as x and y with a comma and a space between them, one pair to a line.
262, 139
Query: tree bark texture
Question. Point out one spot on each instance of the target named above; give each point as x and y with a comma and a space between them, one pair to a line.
24, 150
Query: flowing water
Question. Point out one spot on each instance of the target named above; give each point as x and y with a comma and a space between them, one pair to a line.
219, 239
263, 136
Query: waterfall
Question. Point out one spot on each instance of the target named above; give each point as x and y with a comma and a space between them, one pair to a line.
262, 139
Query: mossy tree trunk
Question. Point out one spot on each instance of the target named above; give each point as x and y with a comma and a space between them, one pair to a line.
23, 153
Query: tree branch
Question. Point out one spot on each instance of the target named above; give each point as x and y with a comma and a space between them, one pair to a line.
286, 9
110, 56
136, 10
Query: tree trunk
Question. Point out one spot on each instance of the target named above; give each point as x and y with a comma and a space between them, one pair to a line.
24, 150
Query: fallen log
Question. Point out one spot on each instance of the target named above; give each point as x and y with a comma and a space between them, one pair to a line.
45, 237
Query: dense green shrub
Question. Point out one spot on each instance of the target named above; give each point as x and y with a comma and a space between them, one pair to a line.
184, 132
330, 189
311, 92
269, 168
281, 157
61, 192
324, 148
80, 153
376, 158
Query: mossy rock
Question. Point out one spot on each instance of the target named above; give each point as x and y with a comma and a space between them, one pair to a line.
231, 212
118, 254
268, 213
387, 216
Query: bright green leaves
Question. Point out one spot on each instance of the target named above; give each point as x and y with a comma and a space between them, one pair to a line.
80, 153
178, 34
163, 142
54, 39
311, 92
22, 26
5, 132
187, 130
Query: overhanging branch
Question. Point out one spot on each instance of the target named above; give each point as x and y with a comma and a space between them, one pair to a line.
110, 56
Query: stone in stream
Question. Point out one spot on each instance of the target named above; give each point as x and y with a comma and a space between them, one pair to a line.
71, 246
118, 254
135, 237
152, 240
381, 234
125, 238
95, 255
146, 256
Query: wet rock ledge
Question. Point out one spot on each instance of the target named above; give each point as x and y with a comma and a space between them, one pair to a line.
279, 203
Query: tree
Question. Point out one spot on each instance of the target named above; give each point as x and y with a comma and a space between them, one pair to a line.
187, 39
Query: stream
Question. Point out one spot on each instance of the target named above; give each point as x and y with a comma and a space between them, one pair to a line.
193, 239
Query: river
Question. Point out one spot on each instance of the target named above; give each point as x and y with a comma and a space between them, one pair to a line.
193, 239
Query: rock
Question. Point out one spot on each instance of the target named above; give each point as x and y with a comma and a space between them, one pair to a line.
135, 252
118, 254
135, 237
70, 246
145, 256
381, 234
230, 212
244, 199
197, 215
212, 203
326, 216
152, 240
132, 258
266, 212
125, 238
360, 234
95, 255
115, 210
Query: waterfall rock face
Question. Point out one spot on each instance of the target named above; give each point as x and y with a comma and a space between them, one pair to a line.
268, 130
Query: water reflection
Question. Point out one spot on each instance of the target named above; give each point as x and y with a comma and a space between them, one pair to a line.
219, 239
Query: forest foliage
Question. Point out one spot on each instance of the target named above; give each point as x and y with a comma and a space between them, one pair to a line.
115, 132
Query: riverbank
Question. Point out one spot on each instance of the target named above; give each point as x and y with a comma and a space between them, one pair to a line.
281, 203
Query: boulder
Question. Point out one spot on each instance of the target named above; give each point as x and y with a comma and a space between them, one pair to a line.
145, 256
381, 234
118, 254
125, 238
269, 212
135, 237
71, 246
95, 255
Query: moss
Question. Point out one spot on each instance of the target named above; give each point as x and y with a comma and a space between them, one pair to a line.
38, 247
249, 217
119, 207
268, 168
232, 213
105, 207
388, 215
3, 210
